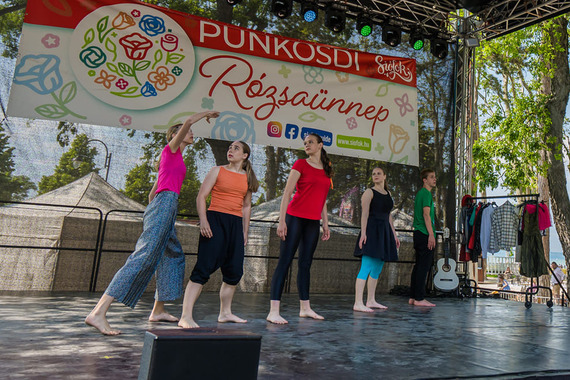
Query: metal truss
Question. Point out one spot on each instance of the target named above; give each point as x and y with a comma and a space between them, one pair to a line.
489, 20
503, 17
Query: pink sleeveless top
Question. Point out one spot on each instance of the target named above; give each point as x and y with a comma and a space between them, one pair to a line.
171, 172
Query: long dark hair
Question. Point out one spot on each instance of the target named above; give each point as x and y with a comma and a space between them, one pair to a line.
327, 164
252, 182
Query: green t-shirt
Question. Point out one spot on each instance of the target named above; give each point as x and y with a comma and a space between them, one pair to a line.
423, 199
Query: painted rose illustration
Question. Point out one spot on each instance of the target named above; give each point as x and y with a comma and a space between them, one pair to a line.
132, 56
123, 21
152, 25
398, 139
93, 57
234, 126
136, 46
169, 42
40, 73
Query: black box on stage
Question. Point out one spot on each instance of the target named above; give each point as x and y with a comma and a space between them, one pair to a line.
200, 353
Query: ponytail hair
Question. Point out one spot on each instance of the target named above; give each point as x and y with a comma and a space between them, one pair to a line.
327, 164
169, 135
252, 183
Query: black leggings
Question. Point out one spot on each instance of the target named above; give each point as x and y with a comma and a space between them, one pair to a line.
424, 261
303, 234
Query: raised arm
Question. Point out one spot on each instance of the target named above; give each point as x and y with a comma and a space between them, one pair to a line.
294, 176
183, 131
203, 193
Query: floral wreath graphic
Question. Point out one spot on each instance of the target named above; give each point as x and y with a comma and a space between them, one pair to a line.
131, 56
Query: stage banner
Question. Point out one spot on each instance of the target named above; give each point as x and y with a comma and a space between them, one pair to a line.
133, 65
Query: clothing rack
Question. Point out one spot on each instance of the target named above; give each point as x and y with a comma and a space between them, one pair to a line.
531, 290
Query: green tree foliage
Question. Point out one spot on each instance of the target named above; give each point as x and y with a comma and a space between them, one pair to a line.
138, 182
73, 164
11, 19
512, 110
11, 187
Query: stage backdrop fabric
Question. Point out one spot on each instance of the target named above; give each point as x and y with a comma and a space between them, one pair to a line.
133, 65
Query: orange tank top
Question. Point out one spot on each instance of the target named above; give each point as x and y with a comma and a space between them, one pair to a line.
228, 192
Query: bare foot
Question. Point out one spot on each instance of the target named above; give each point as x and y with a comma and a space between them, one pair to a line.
276, 318
310, 314
187, 323
162, 317
362, 308
101, 324
411, 301
375, 305
423, 303
230, 318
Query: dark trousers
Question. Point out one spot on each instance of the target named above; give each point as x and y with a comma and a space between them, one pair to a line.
303, 234
223, 250
424, 261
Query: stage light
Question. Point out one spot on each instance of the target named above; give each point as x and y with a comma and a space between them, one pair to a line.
335, 18
364, 25
233, 2
282, 8
309, 11
417, 41
438, 48
391, 35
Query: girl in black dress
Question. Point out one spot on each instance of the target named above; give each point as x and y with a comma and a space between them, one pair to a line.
377, 241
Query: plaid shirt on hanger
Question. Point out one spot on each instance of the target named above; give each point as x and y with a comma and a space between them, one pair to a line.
504, 227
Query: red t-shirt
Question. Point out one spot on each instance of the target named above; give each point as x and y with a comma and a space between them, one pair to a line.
311, 191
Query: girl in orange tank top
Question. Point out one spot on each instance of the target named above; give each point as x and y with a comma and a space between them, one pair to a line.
223, 231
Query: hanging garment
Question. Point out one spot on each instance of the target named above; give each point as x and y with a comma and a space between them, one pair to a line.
543, 215
504, 226
476, 246
464, 229
486, 230
533, 262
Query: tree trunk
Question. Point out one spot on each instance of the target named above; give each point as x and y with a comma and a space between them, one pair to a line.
220, 150
271, 169
224, 11
558, 87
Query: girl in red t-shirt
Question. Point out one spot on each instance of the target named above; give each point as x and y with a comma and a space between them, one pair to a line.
299, 224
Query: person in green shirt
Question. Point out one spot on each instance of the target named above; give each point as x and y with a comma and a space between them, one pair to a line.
424, 238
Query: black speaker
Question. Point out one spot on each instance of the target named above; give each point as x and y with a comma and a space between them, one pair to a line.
200, 353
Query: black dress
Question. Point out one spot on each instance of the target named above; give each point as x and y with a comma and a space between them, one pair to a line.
380, 241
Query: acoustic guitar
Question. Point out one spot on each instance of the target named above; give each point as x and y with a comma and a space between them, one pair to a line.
446, 279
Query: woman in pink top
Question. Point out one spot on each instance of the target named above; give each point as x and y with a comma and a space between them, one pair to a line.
299, 224
157, 249
223, 231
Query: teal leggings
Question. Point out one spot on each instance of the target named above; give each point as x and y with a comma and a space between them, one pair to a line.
370, 266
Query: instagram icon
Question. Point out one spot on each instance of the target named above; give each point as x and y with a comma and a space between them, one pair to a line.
274, 129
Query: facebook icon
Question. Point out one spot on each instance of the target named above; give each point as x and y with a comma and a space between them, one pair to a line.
291, 131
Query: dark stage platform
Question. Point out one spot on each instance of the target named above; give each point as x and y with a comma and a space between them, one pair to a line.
43, 337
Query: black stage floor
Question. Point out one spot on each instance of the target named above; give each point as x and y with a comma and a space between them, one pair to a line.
43, 336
